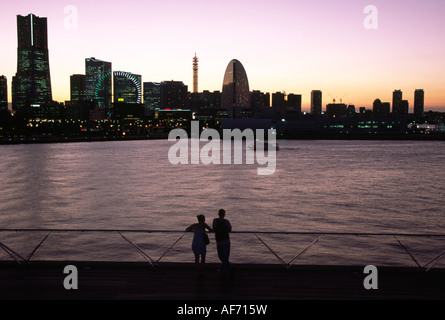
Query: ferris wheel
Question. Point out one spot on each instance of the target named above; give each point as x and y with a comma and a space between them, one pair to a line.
100, 91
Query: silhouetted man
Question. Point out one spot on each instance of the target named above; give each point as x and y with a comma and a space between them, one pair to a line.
222, 228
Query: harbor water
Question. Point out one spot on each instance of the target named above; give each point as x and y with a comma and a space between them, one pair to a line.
318, 187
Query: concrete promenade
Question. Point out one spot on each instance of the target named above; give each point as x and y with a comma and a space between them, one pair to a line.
177, 281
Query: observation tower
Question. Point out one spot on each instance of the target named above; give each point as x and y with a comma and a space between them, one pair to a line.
195, 74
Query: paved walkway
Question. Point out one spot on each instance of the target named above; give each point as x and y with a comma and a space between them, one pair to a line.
140, 281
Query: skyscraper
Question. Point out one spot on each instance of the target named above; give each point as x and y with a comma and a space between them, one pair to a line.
316, 102
404, 107
127, 87
294, 102
235, 91
77, 87
380, 109
98, 81
396, 101
3, 93
152, 96
174, 95
279, 103
419, 97
31, 85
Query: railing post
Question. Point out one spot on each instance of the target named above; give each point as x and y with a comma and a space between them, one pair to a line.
304, 251
146, 256
35, 249
270, 249
412, 257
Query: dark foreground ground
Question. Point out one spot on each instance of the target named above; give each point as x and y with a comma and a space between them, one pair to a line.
178, 282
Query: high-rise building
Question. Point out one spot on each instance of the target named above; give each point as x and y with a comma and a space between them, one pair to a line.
152, 96
267, 99
98, 79
3, 93
127, 87
380, 109
174, 95
404, 107
419, 97
294, 102
256, 99
279, 103
235, 90
316, 102
335, 110
31, 85
211, 99
77, 87
396, 101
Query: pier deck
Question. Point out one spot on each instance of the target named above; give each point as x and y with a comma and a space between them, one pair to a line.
177, 281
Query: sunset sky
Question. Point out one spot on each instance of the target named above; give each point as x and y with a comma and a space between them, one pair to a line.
285, 45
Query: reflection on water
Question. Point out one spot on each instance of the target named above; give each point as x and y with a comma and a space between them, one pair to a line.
318, 186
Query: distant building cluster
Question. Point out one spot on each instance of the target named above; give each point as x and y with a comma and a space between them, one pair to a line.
118, 103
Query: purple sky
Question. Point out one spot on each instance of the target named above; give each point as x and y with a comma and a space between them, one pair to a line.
285, 45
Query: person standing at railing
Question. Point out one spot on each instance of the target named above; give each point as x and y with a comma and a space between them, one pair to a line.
222, 228
198, 243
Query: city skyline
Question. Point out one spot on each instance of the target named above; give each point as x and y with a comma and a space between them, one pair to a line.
333, 53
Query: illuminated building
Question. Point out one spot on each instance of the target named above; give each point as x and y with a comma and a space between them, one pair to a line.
127, 87
98, 81
211, 99
152, 96
257, 99
235, 90
77, 87
31, 85
173, 95
335, 110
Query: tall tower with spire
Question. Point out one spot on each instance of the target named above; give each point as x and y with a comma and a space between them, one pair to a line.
195, 74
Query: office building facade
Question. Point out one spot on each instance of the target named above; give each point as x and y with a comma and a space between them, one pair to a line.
397, 97
3, 93
98, 81
294, 103
381, 109
173, 95
316, 102
31, 85
152, 96
77, 87
419, 101
235, 91
127, 87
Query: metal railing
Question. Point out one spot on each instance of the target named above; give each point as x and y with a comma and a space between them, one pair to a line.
258, 234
